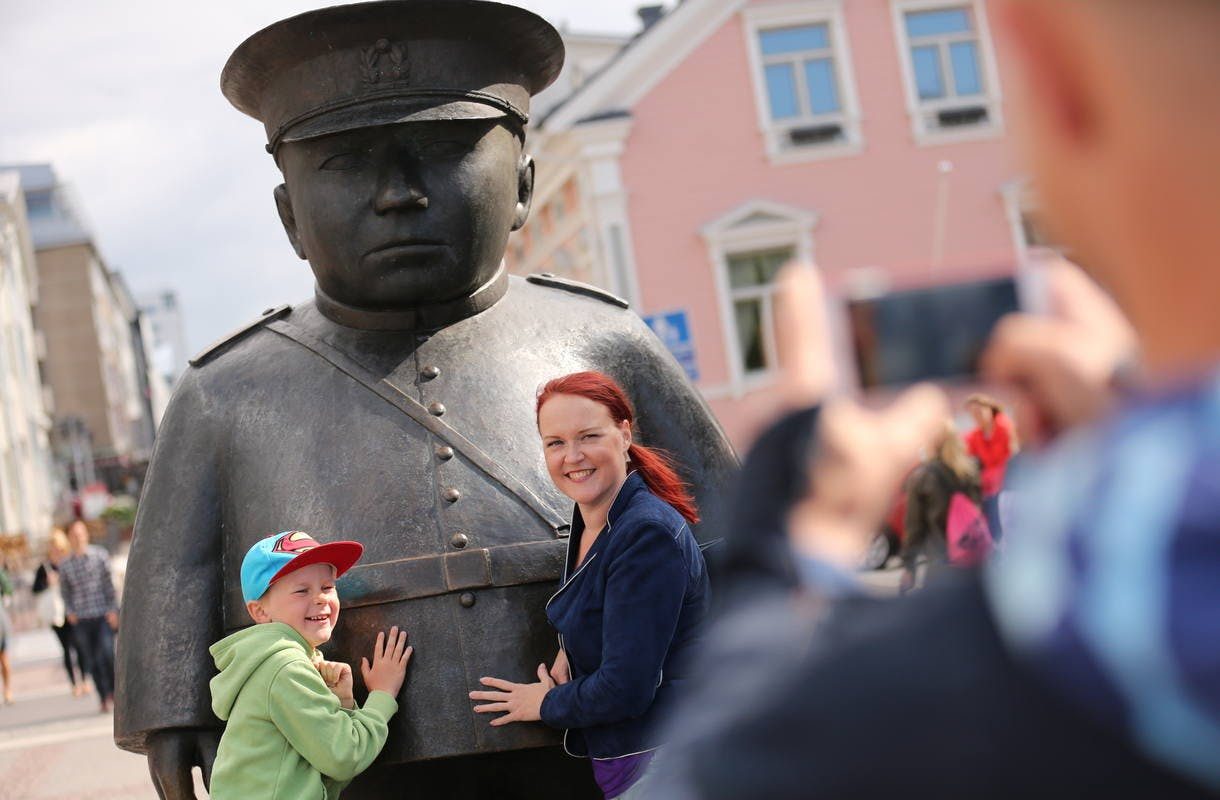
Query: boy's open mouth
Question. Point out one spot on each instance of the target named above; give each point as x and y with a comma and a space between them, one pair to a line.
320, 618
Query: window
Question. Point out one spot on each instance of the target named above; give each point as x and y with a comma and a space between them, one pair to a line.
751, 284
805, 92
951, 81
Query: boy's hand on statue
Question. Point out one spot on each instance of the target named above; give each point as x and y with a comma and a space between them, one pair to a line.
338, 677
389, 667
521, 701
561, 673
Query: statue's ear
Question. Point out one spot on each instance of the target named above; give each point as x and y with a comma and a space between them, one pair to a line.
284, 205
525, 191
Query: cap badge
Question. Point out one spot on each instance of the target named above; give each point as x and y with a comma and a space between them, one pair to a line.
295, 542
395, 56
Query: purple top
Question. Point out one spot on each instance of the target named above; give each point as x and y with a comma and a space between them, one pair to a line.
616, 775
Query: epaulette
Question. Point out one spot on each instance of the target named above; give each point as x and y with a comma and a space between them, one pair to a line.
576, 287
270, 315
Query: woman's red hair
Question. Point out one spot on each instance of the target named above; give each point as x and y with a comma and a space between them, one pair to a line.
654, 466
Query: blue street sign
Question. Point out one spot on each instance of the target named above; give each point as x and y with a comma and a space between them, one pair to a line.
673, 329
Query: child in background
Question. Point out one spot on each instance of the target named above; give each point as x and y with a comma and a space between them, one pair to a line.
293, 729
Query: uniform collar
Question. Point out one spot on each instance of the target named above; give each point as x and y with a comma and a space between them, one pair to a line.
419, 318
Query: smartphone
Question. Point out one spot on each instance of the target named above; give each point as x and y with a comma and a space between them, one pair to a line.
930, 334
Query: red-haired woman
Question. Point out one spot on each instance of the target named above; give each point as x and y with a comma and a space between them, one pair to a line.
635, 590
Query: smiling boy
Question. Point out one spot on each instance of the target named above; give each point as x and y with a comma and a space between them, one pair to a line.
294, 730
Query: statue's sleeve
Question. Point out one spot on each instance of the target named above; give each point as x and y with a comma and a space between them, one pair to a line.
672, 415
172, 601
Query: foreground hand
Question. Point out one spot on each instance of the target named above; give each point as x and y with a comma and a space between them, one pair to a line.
1063, 365
338, 677
171, 755
521, 701
390, 658
907, 582
861, 454
561, 673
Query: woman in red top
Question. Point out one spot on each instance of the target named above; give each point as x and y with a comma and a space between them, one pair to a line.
993, 442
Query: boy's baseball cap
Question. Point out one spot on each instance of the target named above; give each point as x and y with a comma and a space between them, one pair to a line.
276, 556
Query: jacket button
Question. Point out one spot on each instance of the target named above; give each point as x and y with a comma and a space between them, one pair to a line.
444, 453
451, 495
436, 409
430, 373
466, 599
459, 540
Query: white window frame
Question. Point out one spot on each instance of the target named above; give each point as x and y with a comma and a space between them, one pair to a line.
921, 111
757, 19
734, 234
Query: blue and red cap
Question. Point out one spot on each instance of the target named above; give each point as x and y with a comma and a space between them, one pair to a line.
276, 556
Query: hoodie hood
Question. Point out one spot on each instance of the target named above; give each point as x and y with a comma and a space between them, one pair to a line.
240, 655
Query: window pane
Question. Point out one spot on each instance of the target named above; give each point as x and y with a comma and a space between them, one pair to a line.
932, 23
794, 40
781, 91
750, 334
823, 91
756, 269
965, 58
928, 79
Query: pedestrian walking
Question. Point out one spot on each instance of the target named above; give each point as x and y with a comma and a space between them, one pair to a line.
91, 608
943, 522
50, 603
634, 595
6, 627
993, 442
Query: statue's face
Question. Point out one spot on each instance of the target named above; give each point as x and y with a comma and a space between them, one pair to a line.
404, 215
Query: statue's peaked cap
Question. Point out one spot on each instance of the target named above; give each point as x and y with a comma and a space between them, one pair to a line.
379, 63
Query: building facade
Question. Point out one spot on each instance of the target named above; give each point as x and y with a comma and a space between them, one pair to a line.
29, 489
868, 137
166, 333
97, 361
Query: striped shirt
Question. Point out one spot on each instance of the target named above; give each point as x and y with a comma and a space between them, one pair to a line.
1109, 587
86, 585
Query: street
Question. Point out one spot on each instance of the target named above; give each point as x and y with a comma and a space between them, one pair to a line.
54, 746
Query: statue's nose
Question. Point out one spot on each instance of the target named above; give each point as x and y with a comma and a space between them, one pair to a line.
400, 190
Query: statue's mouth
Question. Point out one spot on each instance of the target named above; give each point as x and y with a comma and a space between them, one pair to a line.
407, 246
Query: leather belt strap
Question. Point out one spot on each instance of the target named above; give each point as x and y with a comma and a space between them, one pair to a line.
416, 411
428, 576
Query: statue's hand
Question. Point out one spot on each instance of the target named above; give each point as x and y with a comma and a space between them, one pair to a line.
171, 755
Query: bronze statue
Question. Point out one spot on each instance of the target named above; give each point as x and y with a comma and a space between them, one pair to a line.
396, 407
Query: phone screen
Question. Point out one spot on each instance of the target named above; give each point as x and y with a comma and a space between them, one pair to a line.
937, 333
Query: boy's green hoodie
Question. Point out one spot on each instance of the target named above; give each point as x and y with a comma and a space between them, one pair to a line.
287, 736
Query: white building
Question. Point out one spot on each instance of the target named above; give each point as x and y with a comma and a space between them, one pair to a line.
28, 487
167, 333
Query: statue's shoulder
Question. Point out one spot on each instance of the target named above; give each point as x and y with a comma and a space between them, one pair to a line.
225, 342
552, 281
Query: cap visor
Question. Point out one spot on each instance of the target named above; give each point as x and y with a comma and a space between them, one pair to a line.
388, 112
341, 554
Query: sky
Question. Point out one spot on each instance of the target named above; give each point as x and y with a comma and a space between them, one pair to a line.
123, 99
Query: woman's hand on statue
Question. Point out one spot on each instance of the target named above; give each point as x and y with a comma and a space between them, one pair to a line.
338, 677
561, 673
522, 702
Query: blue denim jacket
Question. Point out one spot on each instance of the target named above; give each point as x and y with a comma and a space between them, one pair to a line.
629, 620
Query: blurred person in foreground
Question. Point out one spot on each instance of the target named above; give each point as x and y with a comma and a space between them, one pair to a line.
944, 521
1086, 661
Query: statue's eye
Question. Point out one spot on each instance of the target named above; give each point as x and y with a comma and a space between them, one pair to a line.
341, 161
448, 148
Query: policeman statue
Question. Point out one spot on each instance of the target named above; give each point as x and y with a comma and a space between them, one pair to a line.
396, 407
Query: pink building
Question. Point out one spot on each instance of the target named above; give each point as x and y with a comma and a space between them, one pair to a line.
868, 136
